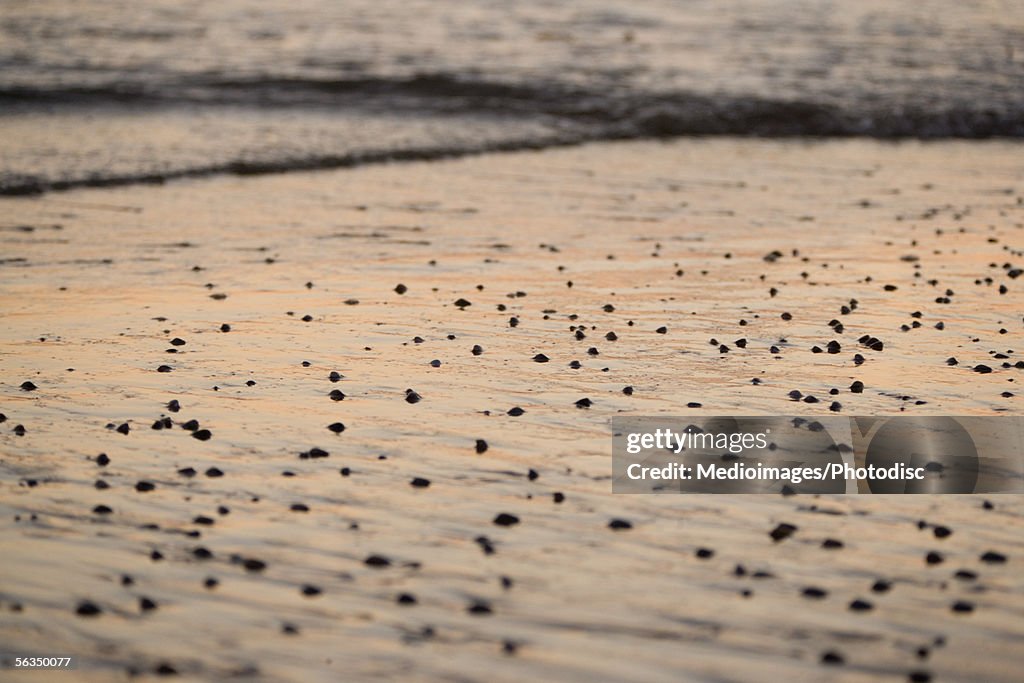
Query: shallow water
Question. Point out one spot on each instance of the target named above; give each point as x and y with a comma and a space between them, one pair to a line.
144, 91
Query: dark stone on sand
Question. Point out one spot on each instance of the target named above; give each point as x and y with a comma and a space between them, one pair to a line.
942, 531
704, 553
628, 391
834, 347
516, 412
833, 658
814, 593
406, 599
214, 472
202, 434
299, 507
336, 427
164, 368
782, 531
477, 350
419, 483
88, 609
934, 558
28, 386
694, 404
102, 460
310, 590
191, 425
123, 428
786, 316
881, 586
831, 544
962, 607
619, 524
540, 358
101, 485
611, 336
412, 397
173, 406
857, 387
584, 403
952, 361
919, 677
378, 561
992, 557
203, 520
251, 564
462, 303
201, 553
965, 575
187, 472
505, 519
983, 369
401, 289
102, 510
146, 604
435, 363
335, 376
662, 330
795, 395
336, 395
481, 446
480, 608
835, 406
177, 341
810, 399
144, 486
859, 605
307, 318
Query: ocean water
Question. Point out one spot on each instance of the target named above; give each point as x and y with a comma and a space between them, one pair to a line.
118, 91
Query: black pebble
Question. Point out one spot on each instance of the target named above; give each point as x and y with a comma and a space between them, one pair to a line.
378, 561
782, 531
102, 510
628, 391
420, 483
584, 403
516, 412
144, 486
164, 368
28, 386
620, 524
481, 446
406, 599
202, 434
309, 590
336, 427
540, 358
123, 428
88, 609
412, 397
401, 289
146, 605
477, 350
505, 519
857, 387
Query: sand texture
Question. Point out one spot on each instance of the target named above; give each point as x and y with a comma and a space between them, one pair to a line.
379, 555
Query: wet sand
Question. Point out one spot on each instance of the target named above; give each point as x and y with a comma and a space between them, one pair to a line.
384, 553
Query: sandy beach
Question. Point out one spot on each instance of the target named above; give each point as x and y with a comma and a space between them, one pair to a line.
274, 548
